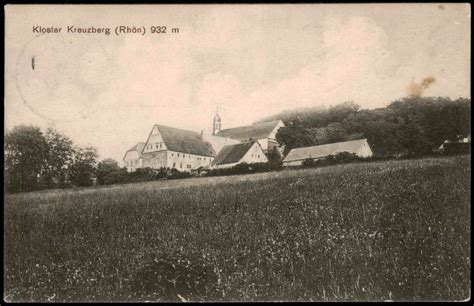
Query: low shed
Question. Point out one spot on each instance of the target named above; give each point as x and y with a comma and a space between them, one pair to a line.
296, 157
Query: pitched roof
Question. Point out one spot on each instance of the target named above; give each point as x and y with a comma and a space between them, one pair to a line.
218, 142
352, 146
254, 131
138, 147
232, 153
185, 141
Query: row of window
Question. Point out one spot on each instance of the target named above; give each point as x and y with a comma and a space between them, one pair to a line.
182, 155
181, 165
157, 145
189, 156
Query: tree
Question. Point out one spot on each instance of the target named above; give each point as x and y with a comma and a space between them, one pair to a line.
83, 166
274, 156
60, 157
104, 168
413, 125
118, 176
334, 132
294, 135
26, 155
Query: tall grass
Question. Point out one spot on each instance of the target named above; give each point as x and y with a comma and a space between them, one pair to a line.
395, 230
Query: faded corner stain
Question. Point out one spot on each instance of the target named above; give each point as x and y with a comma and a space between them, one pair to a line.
416, 90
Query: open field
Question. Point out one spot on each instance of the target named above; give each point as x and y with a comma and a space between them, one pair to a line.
396, 230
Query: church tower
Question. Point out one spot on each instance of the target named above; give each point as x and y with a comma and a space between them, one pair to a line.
216, 123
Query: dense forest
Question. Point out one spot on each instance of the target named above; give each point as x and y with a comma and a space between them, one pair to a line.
409, 126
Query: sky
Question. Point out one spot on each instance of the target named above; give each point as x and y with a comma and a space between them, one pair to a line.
250, 61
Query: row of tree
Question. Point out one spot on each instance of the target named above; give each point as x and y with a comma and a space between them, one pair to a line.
36, 160
410, 126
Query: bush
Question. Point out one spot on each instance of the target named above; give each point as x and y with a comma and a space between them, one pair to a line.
84, 179
344, 157
176, 174
114, 177
339, 158
245, 168
309, 162
146, 174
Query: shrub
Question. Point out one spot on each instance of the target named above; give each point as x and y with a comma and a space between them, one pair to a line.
244, 168
309, 162
176, 174
114, 177
146, 174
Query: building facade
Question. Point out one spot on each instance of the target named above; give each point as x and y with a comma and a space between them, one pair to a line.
247, 152
184, 150
133, 157
173, 148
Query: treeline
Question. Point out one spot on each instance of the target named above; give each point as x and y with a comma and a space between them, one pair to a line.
409, 126
35, 160
244, 168
108, 173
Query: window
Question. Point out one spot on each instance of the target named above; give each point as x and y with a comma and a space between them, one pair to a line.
181, 165
178, 154
172, 154
174, 165
160, 144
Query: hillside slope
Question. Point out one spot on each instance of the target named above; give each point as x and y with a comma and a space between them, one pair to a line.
369, 231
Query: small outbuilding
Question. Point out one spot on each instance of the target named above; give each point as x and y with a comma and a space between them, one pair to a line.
296, 157
247, 152
459, 146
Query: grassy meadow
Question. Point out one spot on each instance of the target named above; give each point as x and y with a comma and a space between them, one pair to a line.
392, 230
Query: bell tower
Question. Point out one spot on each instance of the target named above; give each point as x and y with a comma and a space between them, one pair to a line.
216, 127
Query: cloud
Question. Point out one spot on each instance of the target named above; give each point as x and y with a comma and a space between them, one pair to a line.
352, 54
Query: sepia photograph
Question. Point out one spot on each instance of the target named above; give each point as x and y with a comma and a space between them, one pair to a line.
237, 153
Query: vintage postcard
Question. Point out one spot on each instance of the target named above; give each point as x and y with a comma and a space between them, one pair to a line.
250, 152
